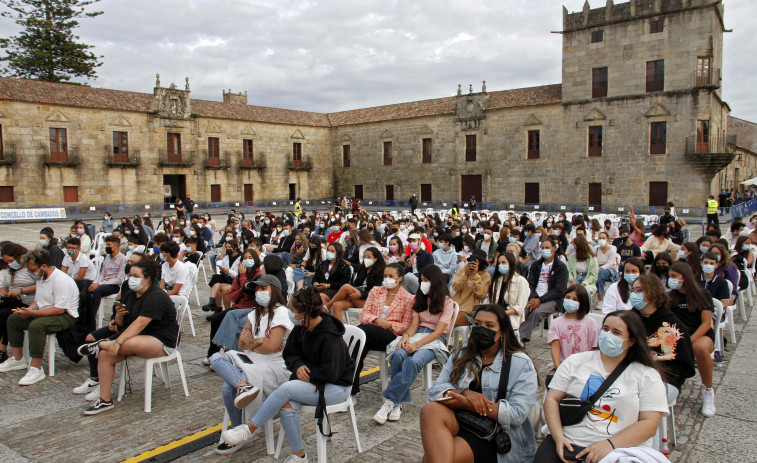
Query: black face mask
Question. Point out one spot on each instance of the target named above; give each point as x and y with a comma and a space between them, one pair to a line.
662, 269
108, 250
482, 338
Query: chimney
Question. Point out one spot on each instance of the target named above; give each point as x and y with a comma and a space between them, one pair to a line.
240, 98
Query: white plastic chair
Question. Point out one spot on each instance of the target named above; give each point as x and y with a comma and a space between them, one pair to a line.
201, 265
729, 315
718, 326
354, 337
97, 261
106, 301
51, 341
193, 274
598, 318
268, 428
182, 305
426, 372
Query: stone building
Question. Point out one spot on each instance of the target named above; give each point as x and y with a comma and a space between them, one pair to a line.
744, 166
637, 118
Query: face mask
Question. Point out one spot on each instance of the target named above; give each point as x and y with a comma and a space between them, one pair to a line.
182, 223
630, 277
464, 230
135, 283
344, 220
708, 269
425, 287
71, 252
166, 222
43, 242
108, 250
487, 236
703, 249
267, 222
570, 305
15, 265
368, 262
681, 254
335, 228
661, 269
284, 233
602, 243
162, 258
176, 240
674, 283
512, 239
413, 246
320, 225
279, 229
610, 345
389, 283
394, 249
637, 301
457, 234
466, 248
483, 338
130, 248
249, 263
556, 232
330, 256
746, 247
410, 228
105, 218
503, 269
546, 253
191, 233
294, 321
263, 298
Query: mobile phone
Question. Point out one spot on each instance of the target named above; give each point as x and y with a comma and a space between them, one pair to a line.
244, 358
571, 456
443, 399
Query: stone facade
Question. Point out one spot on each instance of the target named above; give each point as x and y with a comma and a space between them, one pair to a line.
558, 166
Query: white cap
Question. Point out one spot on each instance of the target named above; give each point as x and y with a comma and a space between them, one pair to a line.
414, 236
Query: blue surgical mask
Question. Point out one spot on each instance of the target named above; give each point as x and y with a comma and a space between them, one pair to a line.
637, 301
630, 277
681, 254
436, 235
546, 253
162, 258
556, 232
708, 269
15, 266
130, 248
703, 249
610, 344
570, 305
176, 239
330, 256
746, 247
512, 239
674, 283
503, 269
249, 263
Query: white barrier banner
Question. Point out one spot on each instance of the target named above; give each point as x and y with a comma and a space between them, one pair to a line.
32, 214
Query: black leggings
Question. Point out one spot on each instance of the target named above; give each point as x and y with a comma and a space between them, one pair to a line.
99, 335
376, 338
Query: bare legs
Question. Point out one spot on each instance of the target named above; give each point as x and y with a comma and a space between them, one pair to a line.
439, 429
141, 345
703, 347
347, 297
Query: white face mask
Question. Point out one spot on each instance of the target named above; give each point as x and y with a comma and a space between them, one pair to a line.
368, 262
602, 243
389, 283
135, 283
425, 287
466, 248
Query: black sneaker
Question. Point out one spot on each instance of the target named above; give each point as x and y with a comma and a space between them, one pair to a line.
245, 395
90, 348
226, 449
98, 406
718, 357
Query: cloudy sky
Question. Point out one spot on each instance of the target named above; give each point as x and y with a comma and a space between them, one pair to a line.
332, 55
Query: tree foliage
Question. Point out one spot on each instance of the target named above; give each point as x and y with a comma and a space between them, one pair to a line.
47, 48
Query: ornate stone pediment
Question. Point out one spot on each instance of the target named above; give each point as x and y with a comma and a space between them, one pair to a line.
171, 102
470, 109
298, 135
57, 116
594, 115
657, 110
532, 120
120, 121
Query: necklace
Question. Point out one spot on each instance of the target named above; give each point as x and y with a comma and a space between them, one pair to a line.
487, 357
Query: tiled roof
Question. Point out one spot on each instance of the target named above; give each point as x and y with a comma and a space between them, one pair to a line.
100, 98
548, 94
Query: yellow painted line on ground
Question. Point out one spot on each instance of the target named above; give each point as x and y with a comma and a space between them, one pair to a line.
199, 435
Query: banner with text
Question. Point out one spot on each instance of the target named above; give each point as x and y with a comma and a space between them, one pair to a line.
32, 214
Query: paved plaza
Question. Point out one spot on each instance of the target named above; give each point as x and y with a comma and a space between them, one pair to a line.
44, 422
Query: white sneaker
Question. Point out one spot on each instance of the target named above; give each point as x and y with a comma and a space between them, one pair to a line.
87, 386
93, 395
708, 403
383, 413
237, 435
395, 414
295, 459
12, 364
33, 375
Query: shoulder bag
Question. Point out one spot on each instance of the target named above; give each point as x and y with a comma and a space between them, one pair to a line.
486, 428
573, 409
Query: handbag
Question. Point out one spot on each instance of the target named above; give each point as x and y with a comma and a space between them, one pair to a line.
486, 428
573, 409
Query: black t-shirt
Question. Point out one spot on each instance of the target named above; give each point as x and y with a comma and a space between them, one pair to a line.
691, 320
189, 205
157, 305
670, 345
625, 251
718, 287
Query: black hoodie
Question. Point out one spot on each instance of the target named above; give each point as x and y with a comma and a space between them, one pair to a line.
56, 253
323, 351
671, 345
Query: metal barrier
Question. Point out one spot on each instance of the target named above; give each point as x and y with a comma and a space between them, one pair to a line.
742, 209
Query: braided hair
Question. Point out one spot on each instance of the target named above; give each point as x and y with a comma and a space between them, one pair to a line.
307, 301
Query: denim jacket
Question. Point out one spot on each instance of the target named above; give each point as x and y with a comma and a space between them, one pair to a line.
514, 410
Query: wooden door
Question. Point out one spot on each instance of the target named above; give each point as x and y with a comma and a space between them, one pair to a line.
248, 195
532, 193
292, 191
426, 192
215, 193
595, 194
359, 192
658, 193
390, 192
470, 185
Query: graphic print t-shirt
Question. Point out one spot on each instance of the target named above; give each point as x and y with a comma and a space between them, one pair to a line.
638, 389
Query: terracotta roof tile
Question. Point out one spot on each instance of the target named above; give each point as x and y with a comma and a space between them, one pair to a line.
100, 98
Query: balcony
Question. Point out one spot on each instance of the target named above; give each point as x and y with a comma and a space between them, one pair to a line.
8, 157
130, 159
69, 158
175, 159
712, 155
215, 162
257, 163
707, 79
300, 164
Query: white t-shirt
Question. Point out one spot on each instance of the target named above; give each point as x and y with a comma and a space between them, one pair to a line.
543, 286
81, 262
638, 389
58, 290
280, 318
179, 274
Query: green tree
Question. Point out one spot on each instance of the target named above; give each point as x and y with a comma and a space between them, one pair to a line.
47, 49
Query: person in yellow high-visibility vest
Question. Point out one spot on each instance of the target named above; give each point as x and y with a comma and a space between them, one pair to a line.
455, 212
297, 208
712, 211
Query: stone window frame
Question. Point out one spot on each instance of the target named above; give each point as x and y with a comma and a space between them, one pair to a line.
594, 151
430, 158
597, 36
214, 147
346, 152
533, 153
657, 26
248, 152
386, 152
70, 194
599, 82
120, 143
655, 80
58, 138
7, 194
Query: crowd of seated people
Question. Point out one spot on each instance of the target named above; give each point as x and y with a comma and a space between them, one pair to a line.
281, 285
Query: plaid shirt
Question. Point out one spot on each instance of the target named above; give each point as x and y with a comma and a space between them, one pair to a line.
400, 311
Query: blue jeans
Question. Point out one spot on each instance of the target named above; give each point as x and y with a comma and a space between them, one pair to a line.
231, 327
297, 393
606, 275
232, 376
405, 368
299, 275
